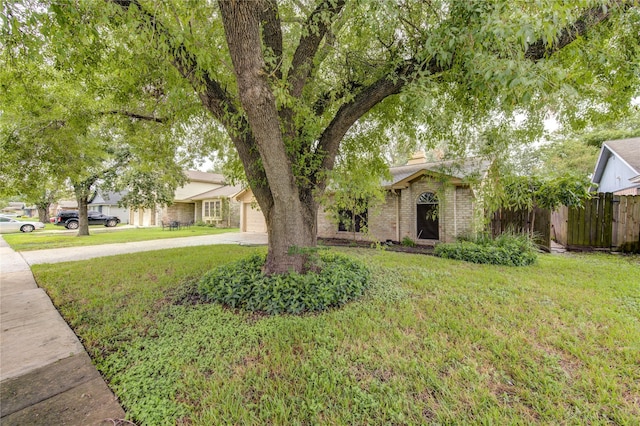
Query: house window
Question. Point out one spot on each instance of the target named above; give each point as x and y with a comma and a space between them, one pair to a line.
212, 209
352, 223
427, 198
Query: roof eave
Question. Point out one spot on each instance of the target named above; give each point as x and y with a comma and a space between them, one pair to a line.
605, 153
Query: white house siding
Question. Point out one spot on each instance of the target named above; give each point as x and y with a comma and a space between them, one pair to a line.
616, 176
192, 189
121, 212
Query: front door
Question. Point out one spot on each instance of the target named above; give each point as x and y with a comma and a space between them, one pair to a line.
427, 217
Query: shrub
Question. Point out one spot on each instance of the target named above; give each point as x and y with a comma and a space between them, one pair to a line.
243, 285
408, 242
506, 249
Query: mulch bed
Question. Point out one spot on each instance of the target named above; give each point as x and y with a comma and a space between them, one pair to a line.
388, 245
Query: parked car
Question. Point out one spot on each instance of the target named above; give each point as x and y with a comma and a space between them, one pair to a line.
70, 219
8, 224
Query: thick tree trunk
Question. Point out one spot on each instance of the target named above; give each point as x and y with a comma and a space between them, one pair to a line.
43, 213
292, 232
83, 221
290, 211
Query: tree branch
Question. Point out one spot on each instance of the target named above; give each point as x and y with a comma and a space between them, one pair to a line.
392, 84
365, 100
137, 116
316, 27
186, 63
213, 97
272, 36
590, 18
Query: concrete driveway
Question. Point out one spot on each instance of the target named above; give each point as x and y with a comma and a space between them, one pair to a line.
89, 252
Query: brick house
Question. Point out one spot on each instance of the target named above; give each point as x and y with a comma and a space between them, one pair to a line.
427, 202
204, 198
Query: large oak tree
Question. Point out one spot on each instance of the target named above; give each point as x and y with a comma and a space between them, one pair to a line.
290, 80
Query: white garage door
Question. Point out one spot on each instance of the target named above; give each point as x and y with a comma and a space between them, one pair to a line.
253, 219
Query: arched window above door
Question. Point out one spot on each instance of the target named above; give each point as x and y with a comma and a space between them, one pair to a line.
427, 198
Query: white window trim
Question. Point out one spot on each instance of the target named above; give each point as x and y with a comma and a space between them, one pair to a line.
215, 207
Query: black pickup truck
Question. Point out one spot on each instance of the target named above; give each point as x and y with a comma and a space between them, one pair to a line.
69, 219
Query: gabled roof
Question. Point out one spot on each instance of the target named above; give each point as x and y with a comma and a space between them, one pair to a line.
222, 192
110, 198
458, 170
198, 176
627, 150
461, 171
67, 204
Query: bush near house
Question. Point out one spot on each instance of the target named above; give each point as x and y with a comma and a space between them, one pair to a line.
506, 249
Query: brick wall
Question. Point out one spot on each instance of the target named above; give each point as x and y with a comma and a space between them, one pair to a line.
628, 191
182, 212
396, 218
382, 223
382, 220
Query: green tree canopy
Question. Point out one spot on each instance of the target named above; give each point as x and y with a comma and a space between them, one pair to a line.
288, 80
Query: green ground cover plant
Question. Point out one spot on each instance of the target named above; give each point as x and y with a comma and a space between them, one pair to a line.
432, 341
243, 285
506, 249
65, 238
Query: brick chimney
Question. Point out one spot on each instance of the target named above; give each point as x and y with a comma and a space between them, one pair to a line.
418, 157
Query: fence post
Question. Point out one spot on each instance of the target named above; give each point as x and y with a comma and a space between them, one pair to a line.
608, 219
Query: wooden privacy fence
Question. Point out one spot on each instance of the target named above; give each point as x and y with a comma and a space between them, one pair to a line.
519, 221
607, 221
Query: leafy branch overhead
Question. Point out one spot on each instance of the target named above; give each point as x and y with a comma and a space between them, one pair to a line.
290, 81
284, 80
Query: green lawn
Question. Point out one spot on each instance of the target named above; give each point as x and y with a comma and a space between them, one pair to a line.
100, 235
434, 341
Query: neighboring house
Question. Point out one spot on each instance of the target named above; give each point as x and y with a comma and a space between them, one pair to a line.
205, 197
62, 205
618, 167
107, 203
425, 201
31, 211
15, 208
251, 217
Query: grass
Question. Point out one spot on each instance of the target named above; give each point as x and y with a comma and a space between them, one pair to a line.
434, 341
101, 235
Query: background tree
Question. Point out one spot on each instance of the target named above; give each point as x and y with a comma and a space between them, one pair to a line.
528, 192
355, 188
288, 80
570, 154
60, 128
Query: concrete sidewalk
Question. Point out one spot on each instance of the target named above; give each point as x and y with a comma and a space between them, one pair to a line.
46, 376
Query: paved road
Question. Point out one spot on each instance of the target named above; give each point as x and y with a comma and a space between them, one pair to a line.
89, 252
